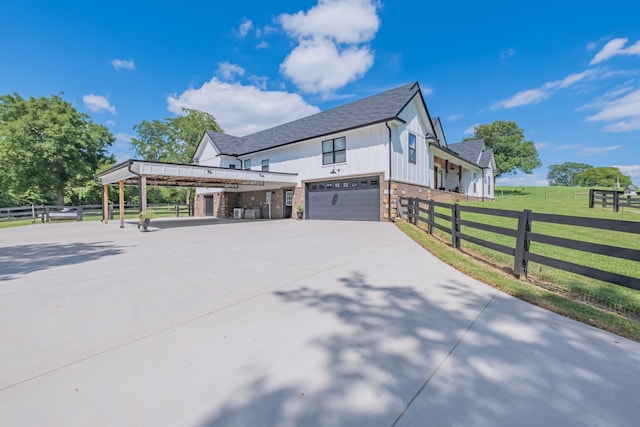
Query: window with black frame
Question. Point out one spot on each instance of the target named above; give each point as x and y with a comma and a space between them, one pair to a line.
412, 148
334, 151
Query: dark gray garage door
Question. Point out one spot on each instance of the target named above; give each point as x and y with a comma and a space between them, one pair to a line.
356, 199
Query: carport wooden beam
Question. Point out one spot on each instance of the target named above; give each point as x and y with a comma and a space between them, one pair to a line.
105, 204
121, 201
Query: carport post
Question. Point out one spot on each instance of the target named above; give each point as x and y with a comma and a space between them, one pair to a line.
143, 193
121, 201
105, 204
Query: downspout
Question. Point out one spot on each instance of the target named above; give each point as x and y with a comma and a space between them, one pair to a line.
389, 180
139, 185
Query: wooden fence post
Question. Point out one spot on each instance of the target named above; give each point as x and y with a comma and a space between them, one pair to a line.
616, 201
432, 216
520, 263
592, 198
415, 211
455, 226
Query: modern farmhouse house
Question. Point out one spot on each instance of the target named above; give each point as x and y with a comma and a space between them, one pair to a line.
349, 163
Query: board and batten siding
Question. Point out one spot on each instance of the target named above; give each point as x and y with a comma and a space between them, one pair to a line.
367, 152
417, 123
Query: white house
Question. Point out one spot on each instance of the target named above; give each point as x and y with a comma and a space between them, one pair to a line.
351, 162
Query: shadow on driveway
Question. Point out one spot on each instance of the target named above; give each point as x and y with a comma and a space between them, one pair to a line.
408, 360
24, 259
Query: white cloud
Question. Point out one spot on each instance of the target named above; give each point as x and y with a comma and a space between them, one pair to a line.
537, 179
525, 97
227, 71
624, 112
319, 67
471, 129
623, 125
245, 26
632, 170
594, 151
262, 45
567, 147
332, 48
507, 53
627, 106
454, 117
123, 64
241, 110
98, 104
542, 145
110, 123
343, 21
616, 47
534, 96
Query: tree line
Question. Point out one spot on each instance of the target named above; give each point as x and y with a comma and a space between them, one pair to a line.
572, 174
49, 152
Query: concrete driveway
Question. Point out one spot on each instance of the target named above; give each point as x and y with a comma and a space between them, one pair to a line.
284, 323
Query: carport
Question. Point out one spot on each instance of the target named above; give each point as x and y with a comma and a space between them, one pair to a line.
143, 173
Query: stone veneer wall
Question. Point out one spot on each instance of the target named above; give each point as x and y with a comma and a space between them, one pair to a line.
404, 190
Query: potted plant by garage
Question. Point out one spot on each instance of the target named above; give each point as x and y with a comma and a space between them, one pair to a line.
144, 219
300, 211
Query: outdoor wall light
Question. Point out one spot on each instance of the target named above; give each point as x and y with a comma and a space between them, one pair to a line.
334, 170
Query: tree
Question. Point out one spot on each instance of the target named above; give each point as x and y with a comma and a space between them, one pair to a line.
511, 150
46, 145
564, 173
175, 139
602, 177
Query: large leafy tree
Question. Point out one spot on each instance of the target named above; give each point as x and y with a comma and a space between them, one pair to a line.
173, 140
512, 151
607, 176
563, 174
47, 146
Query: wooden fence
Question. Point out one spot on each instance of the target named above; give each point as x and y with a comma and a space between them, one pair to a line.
612, 198
418, 210
47, 213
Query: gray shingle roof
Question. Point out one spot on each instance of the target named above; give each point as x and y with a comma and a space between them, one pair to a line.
473, 151
374, 109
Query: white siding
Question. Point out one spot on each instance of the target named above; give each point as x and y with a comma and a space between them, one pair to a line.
417, 123
367, 152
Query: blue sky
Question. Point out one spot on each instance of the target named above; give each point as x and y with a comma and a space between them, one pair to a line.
568, 73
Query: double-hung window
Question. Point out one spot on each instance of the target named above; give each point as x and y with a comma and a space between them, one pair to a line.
265, 165
334, 151
247, 164
412, 148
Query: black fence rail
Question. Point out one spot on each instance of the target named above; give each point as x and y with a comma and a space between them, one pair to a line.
612, 199
425, 211
48, 213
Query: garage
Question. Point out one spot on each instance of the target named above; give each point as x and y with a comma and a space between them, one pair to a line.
354, 199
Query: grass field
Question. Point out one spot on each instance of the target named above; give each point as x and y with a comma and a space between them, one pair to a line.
561, 201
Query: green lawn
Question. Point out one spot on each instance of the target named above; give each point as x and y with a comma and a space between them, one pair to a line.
560, 201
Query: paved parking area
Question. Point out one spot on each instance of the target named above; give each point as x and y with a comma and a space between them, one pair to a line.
284, 323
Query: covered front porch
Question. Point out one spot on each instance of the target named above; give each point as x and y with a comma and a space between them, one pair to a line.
451, 173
